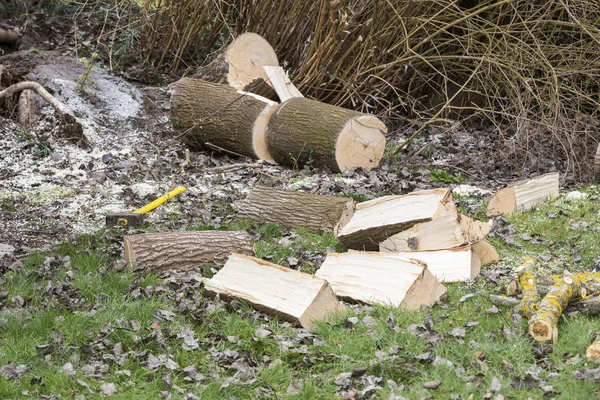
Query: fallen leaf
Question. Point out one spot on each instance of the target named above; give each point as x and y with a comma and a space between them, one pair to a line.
108, 389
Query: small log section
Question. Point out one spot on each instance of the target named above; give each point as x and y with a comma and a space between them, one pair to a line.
241, 64
446, 232
217, 117
375, 220
292, 209
454, 265
28, 110
307, 132
486, 252
543, 324
291, 295
525, 195
183, 250
369, 277
531, 297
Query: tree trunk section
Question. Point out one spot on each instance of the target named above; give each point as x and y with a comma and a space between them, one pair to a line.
183, 250
216, 117
294, 209
306, 132
290, 295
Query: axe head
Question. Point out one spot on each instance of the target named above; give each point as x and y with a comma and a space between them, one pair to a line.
129, 220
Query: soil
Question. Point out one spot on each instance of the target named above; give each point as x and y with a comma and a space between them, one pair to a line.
52, 190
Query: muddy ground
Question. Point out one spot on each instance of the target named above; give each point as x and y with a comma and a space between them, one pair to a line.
53, 189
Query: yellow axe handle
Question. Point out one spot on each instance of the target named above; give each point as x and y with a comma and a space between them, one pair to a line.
160, 200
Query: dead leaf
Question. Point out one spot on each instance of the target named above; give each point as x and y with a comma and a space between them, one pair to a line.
108, 389
432, 384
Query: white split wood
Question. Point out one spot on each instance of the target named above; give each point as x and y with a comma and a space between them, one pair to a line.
454, 265
291, 295
375, 220
445, 232
525, 195
486, 252
280, 82
371, 277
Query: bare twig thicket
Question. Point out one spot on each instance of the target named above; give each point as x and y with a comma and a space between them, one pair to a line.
529, 66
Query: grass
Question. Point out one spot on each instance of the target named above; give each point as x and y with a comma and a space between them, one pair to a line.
93, 310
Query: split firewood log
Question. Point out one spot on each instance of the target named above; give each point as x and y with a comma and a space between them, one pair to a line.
292, 209
307, 132
445, 232
375, 220
486, 252
524, 195
220, 118
453, 265
183, 250
370, 277
290, 295
241, 66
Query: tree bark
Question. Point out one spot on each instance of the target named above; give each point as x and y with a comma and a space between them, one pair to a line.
294, 209
183, 250
307, 132
217, 117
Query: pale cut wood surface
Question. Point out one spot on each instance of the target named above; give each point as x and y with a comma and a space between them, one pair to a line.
486, 252
454, 265
370, 278
444, 232
279, 80
291, 295
375, 220
526, 194
183, 250
293, 209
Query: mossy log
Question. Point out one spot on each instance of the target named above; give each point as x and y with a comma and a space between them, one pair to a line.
217, 117
307, 132
292, 209
183, 250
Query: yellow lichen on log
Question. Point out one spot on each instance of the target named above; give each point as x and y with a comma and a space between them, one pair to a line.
531, 298
543, 323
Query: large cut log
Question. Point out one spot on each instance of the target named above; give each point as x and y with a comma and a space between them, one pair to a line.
306, 132
241, 63
446, 232
525, 195
454, 265
375, 220
183, 250
218, 117
292, 209
486, 252
378, 278
291, 295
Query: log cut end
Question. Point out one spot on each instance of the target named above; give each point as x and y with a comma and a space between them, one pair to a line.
259, 133
486, 252
246, 57
425, 291
542, 331
593, 351
361, 143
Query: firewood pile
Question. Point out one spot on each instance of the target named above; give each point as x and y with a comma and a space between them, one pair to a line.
401, 251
